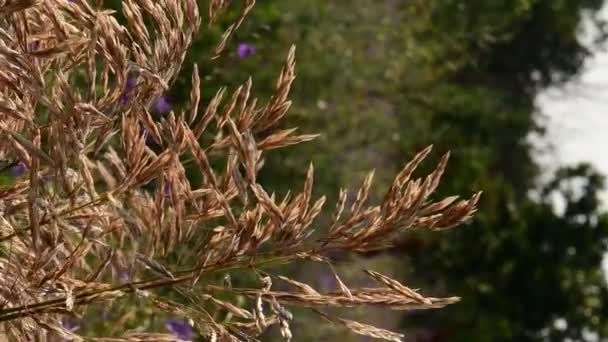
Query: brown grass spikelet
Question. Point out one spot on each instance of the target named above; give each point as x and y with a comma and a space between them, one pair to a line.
364, 329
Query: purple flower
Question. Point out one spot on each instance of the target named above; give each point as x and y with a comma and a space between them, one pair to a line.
124, 276
150, 140
161, 105
167, 188
17, 169
131, 83
244, 50
123, 98
70, 324
129, 86
121, 274
180, 329
34, 46
328, 282
105, 314
146, 134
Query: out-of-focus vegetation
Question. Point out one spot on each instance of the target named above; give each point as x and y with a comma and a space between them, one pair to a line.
381, 79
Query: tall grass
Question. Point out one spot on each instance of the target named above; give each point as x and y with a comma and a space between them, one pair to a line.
97, 208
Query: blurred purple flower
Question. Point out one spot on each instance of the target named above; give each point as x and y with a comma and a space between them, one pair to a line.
124, 276
17, 169
149, 138
180, 329
328, 282
34, 46
244, 50
105, 314
131, 83
161, 105
123, 99
121, 274
167, 188
144, 131
129, 86
70, 324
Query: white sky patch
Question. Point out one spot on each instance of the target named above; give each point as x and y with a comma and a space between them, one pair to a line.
576, 117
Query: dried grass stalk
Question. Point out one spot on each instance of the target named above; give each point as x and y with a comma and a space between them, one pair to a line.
98, 197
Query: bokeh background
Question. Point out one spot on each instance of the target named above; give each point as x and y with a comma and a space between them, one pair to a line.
382, 79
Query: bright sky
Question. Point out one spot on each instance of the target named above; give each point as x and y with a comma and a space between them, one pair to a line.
577, 118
